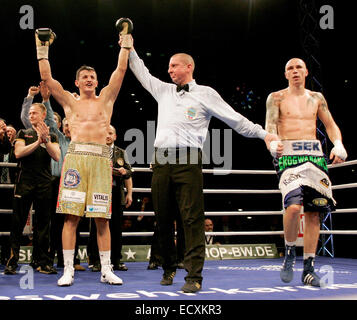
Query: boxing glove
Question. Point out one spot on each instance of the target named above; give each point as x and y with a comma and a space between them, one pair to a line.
44, 38
124, 26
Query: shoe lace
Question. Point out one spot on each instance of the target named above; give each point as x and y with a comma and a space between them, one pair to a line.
310, 277
289, 260
108, 267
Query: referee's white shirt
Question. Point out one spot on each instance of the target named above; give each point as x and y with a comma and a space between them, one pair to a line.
183, 117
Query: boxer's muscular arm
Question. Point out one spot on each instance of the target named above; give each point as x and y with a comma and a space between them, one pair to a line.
110, 92
325, 116
338, 153
43, 38
272, 114
62, 96
271, 123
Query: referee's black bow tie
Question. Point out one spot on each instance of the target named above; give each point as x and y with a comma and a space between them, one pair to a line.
184, 87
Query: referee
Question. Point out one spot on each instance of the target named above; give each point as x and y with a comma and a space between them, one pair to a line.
184, 112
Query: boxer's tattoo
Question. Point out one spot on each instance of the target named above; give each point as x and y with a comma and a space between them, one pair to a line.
311, 100
323, 104
272, 115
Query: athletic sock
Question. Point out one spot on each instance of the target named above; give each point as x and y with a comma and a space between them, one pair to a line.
308, 255
290, 244
104, 258
68, 257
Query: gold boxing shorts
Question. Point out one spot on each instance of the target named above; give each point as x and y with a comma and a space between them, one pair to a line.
86, 181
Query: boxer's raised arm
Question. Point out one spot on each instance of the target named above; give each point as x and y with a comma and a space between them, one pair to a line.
44, 37
110, 92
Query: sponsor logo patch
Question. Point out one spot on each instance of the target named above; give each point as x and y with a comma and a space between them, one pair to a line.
292, 177
100, 198
306, 145
71, 178
325, 183
73, 196
320, 202
100, 209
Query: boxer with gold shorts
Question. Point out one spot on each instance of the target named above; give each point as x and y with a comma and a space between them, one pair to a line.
81, 193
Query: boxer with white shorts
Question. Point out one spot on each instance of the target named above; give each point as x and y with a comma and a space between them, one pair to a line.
300, 163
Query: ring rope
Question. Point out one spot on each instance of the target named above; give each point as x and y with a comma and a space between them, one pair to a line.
220, 191
226, 171
220, 233
141, 169
212, 213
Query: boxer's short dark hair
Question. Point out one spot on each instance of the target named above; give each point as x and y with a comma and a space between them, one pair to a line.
84, 67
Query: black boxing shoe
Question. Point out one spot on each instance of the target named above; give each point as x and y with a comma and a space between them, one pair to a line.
287, 272
309, 277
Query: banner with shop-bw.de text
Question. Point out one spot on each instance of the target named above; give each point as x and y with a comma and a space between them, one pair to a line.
141, 253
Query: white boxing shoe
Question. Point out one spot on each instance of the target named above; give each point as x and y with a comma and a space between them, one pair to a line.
108, 276
68, 277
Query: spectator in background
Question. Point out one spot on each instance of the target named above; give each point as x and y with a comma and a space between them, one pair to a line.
5, 144
34, 148
209, 228
7, 176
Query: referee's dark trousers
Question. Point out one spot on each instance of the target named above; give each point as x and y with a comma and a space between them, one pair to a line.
178, 172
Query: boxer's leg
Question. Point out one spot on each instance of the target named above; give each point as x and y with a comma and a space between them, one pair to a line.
68, 244
291, 223
311, 232
291, 227
69, 231
103, 239
103, 234
99, 194
311, 237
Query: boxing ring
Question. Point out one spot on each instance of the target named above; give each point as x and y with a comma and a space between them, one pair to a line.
226, 279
